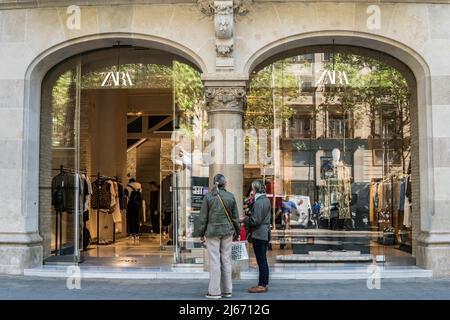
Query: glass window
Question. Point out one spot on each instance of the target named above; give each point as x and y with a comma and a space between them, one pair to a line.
342, 153
302, 158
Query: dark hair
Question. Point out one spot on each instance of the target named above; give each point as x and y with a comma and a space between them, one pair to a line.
219, 182
259, 187
153, 183
132, 180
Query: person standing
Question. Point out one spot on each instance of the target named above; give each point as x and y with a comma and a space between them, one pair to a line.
218, 225
259, 224
133, 191
154, 210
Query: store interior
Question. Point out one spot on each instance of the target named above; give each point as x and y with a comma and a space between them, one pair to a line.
126, 120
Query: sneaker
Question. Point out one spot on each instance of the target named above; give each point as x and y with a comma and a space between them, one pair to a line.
227, 295
213, 296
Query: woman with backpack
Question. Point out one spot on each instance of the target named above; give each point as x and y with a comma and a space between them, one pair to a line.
218, 225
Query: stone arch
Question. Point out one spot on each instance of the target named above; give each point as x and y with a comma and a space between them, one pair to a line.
33, 179
415, 70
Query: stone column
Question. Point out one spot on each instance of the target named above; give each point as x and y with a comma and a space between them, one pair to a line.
225, 103
432, 226
20, 242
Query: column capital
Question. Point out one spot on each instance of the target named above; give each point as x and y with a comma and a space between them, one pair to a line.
225, 99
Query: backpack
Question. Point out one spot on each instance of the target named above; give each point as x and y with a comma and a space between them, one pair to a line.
135, 200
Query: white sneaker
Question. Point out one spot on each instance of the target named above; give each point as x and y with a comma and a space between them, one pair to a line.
211, 296
227, 295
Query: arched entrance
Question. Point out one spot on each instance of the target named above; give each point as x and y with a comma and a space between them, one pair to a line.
107, 116
410, 65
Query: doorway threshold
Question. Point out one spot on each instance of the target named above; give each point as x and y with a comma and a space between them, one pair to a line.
106, 272
197, 273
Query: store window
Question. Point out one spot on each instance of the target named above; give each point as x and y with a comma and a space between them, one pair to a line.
343, 155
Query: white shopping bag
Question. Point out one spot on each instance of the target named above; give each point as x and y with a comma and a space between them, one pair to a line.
239, 251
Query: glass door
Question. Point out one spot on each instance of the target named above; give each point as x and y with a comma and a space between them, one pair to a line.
190, 177
61, 109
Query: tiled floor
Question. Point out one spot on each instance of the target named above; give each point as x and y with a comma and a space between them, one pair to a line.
145, 252
148, 252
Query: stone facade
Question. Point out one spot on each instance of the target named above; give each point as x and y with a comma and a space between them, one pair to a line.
37, 35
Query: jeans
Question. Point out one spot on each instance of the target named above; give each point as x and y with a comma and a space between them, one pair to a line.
260, 249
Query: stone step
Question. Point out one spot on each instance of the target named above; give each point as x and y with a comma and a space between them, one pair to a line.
326, 257
341, 273
334, 253
337, 273
118, 273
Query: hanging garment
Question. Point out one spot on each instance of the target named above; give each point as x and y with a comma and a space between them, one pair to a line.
407, 217
375, 198
63, 195
116, 214
380, 196
401, 202
112, 190
326, 204
59, 193
371, 203
122, 197
87, 192
101, 196
143, 213
407, 214
408, 189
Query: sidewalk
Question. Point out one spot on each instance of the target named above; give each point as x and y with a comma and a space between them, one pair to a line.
12, 287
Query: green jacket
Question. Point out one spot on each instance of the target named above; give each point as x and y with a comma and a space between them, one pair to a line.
213, 221
259, 220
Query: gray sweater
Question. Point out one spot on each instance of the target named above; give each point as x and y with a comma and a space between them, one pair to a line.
259, 220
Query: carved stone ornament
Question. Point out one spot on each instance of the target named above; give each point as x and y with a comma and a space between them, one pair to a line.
225, 99
224, 50
240, 7
223, 19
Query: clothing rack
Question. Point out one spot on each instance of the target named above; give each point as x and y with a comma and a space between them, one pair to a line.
63, 169
103, 177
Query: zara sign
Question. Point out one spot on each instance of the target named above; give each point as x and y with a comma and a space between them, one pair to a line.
116, 79
331, 77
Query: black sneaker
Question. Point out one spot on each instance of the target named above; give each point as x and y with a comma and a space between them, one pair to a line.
227, 295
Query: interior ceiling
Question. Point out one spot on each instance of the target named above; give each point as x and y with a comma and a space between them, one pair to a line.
150, 101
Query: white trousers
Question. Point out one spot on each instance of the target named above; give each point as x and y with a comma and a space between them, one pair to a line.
219, 253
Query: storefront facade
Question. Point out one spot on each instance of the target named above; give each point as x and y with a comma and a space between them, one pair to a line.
227, 44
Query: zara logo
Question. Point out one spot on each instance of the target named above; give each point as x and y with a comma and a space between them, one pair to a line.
331, 77
116, 79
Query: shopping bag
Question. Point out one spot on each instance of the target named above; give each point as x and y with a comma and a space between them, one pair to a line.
239, 251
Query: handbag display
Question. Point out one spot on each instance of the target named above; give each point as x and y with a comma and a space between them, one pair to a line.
239, 248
